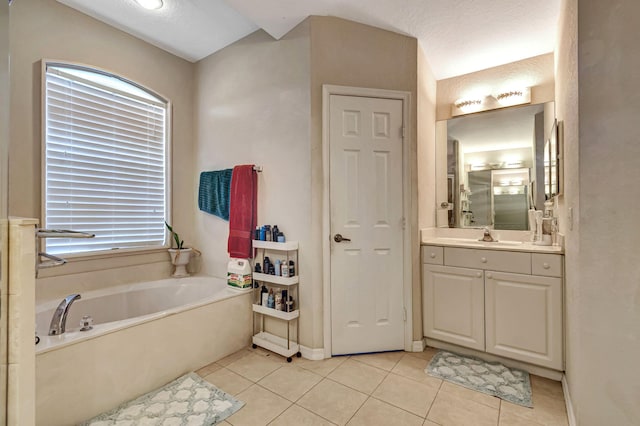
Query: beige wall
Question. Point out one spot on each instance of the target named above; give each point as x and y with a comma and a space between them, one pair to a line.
46, 29
426, 167
252, 106
603, 291
346, 53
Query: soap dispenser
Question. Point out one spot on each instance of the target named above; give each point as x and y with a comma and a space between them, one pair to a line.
545, 224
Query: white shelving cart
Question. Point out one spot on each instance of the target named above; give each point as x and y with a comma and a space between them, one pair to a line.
286, 347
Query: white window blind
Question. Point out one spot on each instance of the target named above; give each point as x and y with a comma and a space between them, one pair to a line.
105, 164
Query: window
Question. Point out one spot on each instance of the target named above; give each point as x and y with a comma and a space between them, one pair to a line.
104, 161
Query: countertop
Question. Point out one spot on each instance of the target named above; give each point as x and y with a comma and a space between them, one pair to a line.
468, 238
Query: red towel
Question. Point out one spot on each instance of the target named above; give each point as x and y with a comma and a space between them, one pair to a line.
243, 211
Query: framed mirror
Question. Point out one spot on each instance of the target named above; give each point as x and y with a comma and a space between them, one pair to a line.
492, 167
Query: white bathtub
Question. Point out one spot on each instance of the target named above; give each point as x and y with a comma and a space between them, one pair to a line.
144, 335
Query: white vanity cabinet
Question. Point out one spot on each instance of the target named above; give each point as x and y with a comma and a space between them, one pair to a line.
502, 302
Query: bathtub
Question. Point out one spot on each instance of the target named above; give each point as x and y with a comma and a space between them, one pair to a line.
144, 335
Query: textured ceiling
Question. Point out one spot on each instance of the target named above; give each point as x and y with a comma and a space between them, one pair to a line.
457, 36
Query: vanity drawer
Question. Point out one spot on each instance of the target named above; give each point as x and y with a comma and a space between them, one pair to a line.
495, 260
549, 265
433, 255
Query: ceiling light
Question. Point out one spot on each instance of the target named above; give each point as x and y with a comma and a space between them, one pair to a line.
150, 4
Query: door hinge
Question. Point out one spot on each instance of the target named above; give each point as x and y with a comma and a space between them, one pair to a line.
404, 223
402, 131
404, 314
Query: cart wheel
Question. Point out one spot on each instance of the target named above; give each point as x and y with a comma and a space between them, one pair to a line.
289, 359
254, 346
298, 354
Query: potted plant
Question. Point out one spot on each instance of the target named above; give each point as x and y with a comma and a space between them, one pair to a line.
180, 256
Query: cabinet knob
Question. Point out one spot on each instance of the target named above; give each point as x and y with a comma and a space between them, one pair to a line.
433, 255
483, 259
489, 275
479, 274
545, 265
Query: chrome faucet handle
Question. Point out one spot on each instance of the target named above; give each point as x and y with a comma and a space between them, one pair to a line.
487, 237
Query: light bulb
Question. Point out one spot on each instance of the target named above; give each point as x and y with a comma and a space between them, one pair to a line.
150, 4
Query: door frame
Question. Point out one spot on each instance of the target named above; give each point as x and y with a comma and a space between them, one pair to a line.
407, 184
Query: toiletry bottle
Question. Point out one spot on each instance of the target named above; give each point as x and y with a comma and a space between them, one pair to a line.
278, 301
263, 234
281, 238
264, 296
290, 307
292, 268
268, 232
265, 265
272, 269
277, 267
285, 298
271, 302
274, 233
257, 234
284, 269
258, 268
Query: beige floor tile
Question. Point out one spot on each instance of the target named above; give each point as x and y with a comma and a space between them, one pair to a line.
208, 369
430, 423
298, 416
413, 367
406, 394
290, 382
509, 419
427, 354
375, 412
462, 392
548, 387
451, 410
322, 367
546, 410
261, 407
359, 376
233, 357
228, 381
383, 360
333, 401
254, 367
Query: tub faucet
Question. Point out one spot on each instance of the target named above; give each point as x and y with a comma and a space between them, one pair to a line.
487, 236
59, 319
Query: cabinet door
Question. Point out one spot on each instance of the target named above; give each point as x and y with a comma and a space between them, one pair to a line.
453, 304
524, 317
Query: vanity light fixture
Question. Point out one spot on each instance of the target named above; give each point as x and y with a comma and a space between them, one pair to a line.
514, 97
150, 4
468, 105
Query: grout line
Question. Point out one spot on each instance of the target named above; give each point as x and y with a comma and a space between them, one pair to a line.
400, 408
358, 410
434, 401
499, 411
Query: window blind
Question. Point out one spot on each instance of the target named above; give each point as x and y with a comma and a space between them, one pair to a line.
105, 163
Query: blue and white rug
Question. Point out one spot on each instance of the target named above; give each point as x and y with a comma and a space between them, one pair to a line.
491, 378
188, 400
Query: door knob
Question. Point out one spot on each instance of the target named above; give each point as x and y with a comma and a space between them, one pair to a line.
339, 238
444, 204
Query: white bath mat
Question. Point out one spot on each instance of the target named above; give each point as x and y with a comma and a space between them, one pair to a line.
474, 373
188, 400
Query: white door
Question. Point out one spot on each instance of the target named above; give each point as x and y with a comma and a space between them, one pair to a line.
453, 304
367, 312
524, 317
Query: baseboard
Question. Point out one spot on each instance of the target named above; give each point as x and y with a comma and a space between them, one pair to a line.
418, 346
533, 369
567, 401
314, 354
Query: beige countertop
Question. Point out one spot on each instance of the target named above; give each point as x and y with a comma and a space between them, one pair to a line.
468, 238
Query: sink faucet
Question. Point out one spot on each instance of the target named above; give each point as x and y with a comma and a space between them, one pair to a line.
59, 319
487, 236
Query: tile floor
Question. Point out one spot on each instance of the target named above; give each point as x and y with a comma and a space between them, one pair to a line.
378, 389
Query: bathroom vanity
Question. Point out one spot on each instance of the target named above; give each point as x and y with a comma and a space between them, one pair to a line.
502, 298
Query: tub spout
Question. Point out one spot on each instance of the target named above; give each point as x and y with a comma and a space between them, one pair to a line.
59, 319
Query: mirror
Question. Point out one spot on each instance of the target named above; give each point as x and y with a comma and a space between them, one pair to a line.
552, 163
492, 167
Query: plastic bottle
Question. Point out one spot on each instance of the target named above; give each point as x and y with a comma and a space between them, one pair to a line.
263, 234
264, 295
284, 269
265, 265
278, 301
277, 267
292, 268
271, 302
281, 238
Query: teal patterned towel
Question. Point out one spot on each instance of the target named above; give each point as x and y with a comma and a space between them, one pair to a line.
214, 192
